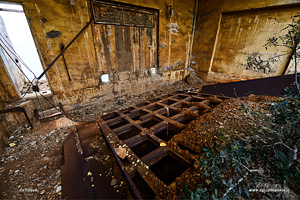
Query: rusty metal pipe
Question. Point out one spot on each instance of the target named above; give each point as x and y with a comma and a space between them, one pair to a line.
63, 50
19, 109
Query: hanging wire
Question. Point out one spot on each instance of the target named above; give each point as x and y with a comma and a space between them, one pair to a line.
12, 50
49, 102
15, 62
39, 103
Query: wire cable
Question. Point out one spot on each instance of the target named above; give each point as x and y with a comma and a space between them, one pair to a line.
12, 50
7, 47
39, 103
15, 63
68, 117
49, 66
17, 58
31, 82
50, 102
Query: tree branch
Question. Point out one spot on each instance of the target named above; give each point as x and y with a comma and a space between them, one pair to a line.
233, 186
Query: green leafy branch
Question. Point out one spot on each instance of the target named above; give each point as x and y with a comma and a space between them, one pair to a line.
290, 40
215, 164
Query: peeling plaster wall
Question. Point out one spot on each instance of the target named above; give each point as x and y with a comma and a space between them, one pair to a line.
167, 48
229, 31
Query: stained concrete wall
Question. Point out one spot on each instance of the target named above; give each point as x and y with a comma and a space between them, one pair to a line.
167, 48
228, 31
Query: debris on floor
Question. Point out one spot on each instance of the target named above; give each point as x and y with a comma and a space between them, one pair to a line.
92, 112
143, 131
30, 166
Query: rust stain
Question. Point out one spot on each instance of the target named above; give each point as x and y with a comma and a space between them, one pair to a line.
105, 43
123, 48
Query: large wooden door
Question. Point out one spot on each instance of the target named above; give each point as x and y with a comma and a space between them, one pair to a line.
125, 37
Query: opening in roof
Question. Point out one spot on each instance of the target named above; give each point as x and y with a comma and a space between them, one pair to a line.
18, 41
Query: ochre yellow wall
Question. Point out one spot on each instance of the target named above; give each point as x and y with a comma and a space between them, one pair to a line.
60, 16
8, 91
228, 31
84, 57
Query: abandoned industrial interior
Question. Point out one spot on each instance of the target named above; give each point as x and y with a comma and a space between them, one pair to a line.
148, 99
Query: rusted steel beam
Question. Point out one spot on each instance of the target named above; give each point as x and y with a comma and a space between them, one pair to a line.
72, 176
64, 49
80, 172
265, 86
134, 192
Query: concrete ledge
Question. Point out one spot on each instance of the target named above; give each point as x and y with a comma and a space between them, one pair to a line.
44, 103
124, 86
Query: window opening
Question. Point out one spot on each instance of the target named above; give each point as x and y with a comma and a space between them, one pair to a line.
21, 39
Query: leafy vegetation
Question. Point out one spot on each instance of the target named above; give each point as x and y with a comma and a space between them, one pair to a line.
269, 157
290, 40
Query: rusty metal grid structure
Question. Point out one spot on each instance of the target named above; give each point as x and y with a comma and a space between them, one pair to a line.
144, 131
124, 15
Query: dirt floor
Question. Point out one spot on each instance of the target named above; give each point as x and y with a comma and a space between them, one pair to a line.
30, 164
